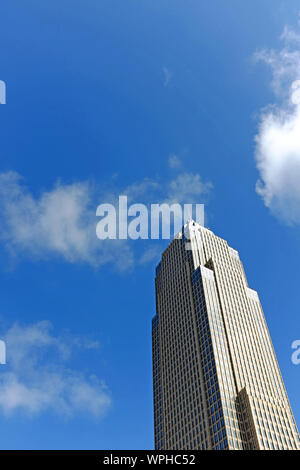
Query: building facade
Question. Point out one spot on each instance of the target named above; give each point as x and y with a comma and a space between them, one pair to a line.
216, 380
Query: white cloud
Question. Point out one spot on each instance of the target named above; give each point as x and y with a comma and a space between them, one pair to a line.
60, 222
174, 162
278, 139
188, 188
37, 378
145, 188
167, 76
153, 253
185, 188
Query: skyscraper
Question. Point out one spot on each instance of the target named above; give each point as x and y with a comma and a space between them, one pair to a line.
216, 380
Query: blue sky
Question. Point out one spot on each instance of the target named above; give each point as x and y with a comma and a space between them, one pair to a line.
100, 95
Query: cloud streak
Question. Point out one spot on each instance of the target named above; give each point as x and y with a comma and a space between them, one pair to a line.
167, 76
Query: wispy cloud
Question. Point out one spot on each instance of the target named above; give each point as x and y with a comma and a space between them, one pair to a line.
151, 254
188, 188
61, 222
278, 139
167, 76
174, 162
37, 379
184, 188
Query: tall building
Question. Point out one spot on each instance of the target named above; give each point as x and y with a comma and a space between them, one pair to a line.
216, 380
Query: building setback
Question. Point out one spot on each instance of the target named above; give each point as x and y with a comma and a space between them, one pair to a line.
216, 380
